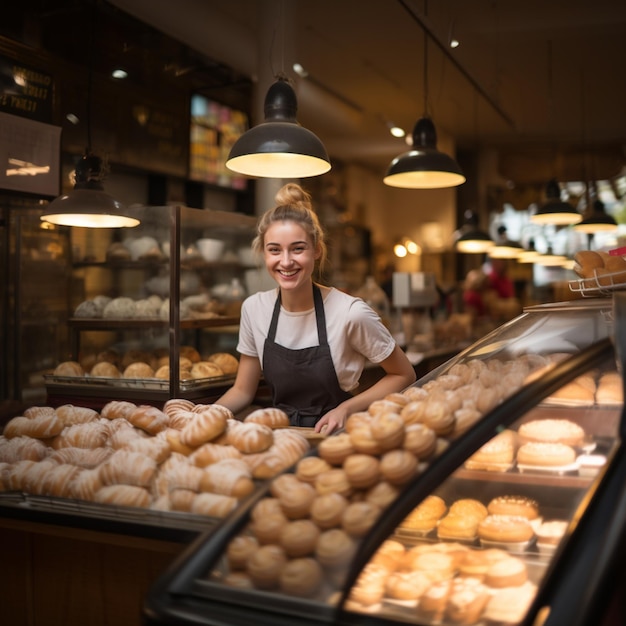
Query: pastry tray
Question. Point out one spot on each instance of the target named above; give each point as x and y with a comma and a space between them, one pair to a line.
100, 382
84, 508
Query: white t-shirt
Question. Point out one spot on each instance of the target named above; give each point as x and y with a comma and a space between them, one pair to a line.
355, 332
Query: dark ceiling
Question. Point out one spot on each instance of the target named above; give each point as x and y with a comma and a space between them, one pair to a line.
539, 84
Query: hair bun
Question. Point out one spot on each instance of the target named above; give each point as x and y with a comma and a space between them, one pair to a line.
292, 193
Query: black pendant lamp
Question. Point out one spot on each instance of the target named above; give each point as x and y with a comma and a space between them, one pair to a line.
279, 147
556, 211
424, 166
504, 247
472, 240
597, 220
88, 205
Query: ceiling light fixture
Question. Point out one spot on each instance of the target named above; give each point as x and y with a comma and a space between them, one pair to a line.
528, 255
424, 166
88, 205
556, 211
597, 220
472, 240
279, 147
505, 248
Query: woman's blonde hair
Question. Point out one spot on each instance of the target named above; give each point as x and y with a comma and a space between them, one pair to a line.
293, 204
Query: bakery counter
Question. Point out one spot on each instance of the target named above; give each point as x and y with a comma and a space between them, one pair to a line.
56, 574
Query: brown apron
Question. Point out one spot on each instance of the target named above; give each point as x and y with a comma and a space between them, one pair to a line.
303, 382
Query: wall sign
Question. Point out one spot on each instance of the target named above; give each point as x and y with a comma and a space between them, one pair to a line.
29, 155
25, 91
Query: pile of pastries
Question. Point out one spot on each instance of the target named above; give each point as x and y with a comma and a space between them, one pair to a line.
141, 364
186, 457
154, 307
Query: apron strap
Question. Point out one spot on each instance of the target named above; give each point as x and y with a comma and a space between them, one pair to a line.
320, 317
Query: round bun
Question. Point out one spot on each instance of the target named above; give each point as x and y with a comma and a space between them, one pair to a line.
205, 369
69, 368
138, 370
105, 369
505, 529
190, 353
514, 505
225, 361
542, 454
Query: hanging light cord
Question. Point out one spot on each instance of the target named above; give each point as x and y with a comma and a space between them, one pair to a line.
425, 64
429, 32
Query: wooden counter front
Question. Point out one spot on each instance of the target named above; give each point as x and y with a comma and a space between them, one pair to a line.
53, 575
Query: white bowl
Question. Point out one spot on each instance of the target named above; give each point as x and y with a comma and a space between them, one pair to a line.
247, 257
210, 249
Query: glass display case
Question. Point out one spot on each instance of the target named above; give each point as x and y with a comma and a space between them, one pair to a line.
159, 295
476, 496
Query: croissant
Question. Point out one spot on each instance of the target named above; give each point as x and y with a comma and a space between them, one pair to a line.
14, 477
128, 468
122, 437
42, 426
181, 499
205, 426
123, 495
88, 435
272, 417
179, 411
152, 447
71, 414
87, 458
288, 448
149, 418
209, 453
230, 477
58, 480
85, 484
173, 438
35, 476
39, 411
249, 437
213, 504
182, 476
22, 448
117, 408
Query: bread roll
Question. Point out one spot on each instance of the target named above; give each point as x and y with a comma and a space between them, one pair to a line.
89, 435
138, 369
149, 419
71, 414
226, 362
213, 504
204, 427
69, 368
105, 370
123, 495
250, 437
206, 369
272, 417
117, 408
229, 477
42, 426
128, 468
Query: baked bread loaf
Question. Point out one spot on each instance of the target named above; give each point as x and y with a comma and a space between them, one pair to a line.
149, 418
227, 363
206, 369
138, 369
71, 414
230, 477
205, 426
272, 417
105, 370
123, 495
69, 368
117, 408
250, 437
88, 435
213, 504
42, 426
128, 468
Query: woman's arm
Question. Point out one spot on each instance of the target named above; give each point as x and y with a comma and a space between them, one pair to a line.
399, 374
241, 394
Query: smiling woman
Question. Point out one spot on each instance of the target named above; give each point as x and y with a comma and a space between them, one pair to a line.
310, 342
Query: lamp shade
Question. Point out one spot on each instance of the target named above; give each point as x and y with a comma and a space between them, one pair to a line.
556, 211
470, 239
424, 167
598, 220
87, 204
279, 147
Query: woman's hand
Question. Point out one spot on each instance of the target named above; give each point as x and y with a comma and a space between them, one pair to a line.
332, 421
